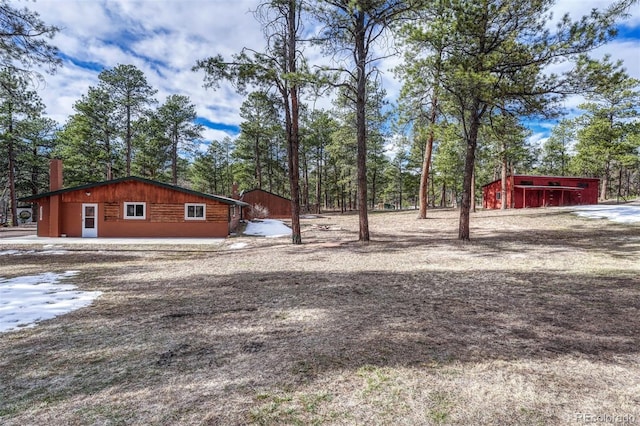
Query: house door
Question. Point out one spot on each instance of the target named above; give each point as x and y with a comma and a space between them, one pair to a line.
89, 220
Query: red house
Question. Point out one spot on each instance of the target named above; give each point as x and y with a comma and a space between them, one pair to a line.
279, 207
541, 191
131, 207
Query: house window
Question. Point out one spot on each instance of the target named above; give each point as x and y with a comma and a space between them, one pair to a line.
135, 210
195, 211
526, 182
583, 185
554, 183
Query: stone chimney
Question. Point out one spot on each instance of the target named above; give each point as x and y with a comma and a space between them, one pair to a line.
234, 191
55, 174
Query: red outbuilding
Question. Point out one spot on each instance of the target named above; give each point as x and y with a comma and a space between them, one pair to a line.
277, 206
131, 207
541, 191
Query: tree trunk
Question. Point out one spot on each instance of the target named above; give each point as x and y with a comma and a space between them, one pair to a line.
305, 192
465, 206
503, 175
426, 162
294, 170
35, 174
620, 184
373, 188
319, 181
12, 173
174, 158
256, 150
361, 130
128, 139
473, 191
605, 182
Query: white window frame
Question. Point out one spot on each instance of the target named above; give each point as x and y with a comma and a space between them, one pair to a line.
186, 211
135, 203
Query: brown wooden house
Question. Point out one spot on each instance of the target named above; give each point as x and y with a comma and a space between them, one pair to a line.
279, 207
131, 207
541, 191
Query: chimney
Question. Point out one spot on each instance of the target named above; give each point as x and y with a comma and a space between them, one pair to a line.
55, 174
234, 191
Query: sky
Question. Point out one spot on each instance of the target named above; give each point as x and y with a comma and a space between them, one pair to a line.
165, 38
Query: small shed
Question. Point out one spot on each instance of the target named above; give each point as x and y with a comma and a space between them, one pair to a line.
279, 207
541, 191
131, 207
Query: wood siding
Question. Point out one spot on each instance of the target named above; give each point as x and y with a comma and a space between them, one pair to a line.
526, 191
164, 214
279, 207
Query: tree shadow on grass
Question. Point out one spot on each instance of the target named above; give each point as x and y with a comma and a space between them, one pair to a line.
262, 328
236, 333
617, 240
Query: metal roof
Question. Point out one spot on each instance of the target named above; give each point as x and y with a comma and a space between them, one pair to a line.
137, 179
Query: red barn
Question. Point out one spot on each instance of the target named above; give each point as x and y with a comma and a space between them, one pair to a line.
131, 207
279, 207
541, 191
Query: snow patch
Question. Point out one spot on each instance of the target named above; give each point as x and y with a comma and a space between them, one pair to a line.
236, 246
615, 213
267, 228
22, 252
24, 301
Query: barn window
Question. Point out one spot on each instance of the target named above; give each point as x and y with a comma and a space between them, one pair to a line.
583, 185
526, 182
498, 195
554, 183
135, 210
195, 211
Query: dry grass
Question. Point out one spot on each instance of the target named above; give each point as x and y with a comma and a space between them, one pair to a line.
533, 322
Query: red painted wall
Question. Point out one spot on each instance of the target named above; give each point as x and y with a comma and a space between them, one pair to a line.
279, 207
526, 192
164, 213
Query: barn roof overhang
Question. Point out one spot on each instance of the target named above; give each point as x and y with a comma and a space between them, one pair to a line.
561, 178
550, 187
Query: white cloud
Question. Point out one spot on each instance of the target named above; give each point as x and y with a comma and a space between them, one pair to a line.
164, 39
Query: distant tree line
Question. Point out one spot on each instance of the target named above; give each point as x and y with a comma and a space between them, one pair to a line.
472, 72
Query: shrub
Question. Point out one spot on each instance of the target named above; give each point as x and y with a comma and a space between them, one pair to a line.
258, 211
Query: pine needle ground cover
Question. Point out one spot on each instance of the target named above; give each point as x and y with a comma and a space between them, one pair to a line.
533, 322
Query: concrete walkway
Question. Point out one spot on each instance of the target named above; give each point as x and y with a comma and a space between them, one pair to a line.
35, 240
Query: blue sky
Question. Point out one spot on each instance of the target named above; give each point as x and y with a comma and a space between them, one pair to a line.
164, 39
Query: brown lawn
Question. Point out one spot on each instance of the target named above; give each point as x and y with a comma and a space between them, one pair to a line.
536, 321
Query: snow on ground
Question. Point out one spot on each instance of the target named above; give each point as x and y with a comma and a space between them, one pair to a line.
236, 246
26, 300
267, 228
20, 253
615, 213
